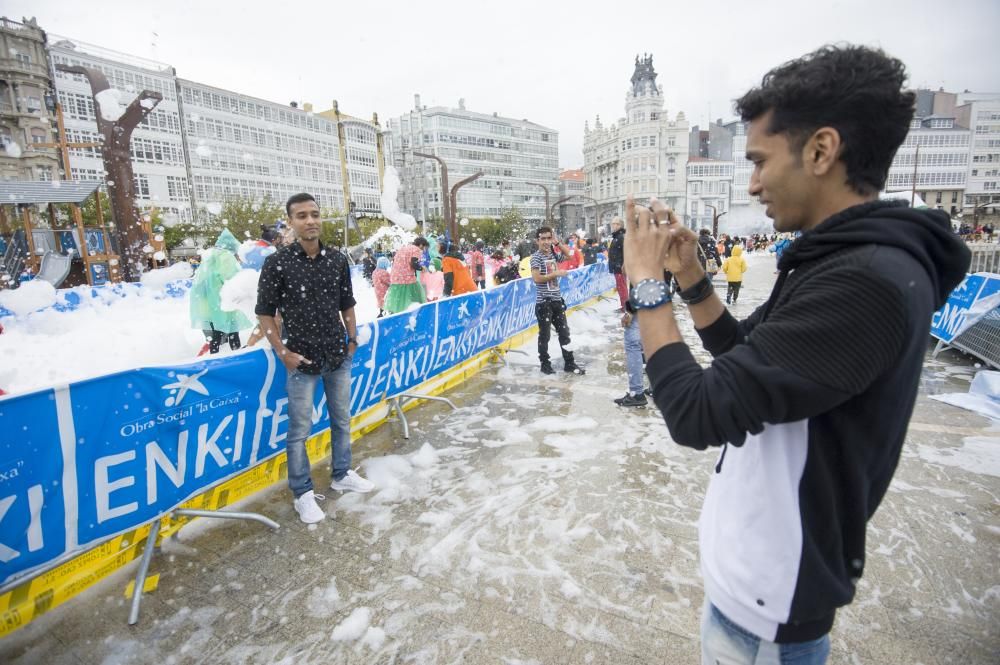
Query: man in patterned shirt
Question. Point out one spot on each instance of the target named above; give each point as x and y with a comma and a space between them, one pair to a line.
550, 308
310, 286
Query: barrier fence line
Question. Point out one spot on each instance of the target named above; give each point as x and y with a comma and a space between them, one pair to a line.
970, 319
41, 591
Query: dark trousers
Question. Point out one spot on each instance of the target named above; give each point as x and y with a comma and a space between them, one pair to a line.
733, 291
216, 337
552, 313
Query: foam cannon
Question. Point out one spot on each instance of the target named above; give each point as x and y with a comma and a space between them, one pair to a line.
115, 127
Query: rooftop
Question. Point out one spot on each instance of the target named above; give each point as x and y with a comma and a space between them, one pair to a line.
16, 192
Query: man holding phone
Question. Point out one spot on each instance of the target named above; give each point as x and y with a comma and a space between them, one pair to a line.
311, 286
808, 398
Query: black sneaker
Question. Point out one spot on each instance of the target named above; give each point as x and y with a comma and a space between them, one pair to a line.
547, 368
572, 368
632, 400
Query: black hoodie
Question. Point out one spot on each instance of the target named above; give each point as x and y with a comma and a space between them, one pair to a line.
812, 393
616, 252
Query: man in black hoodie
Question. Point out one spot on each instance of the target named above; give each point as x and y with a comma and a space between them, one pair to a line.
810, 396
616, 259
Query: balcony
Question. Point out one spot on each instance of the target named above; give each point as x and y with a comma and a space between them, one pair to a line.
27, 68
20, 29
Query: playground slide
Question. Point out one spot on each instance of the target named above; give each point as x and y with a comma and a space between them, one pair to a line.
54, 268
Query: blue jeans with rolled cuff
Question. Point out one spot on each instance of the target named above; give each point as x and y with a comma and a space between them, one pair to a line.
301, 390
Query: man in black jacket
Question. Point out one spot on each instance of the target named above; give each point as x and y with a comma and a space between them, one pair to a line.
810, 396
616, 259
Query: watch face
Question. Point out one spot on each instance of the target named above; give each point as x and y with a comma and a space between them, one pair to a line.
649, 293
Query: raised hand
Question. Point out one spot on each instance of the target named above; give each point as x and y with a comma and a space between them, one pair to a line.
681, 256
646, 240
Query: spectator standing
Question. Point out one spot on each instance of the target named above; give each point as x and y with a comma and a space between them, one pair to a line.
477, 265
380, 282
311, 288
457, 279
218, 265
734, 267
405, 288
550, 308
616, 260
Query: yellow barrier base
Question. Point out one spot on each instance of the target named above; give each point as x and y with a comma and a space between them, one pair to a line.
30, 600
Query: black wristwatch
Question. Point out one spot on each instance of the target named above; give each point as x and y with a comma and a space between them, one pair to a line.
649, 293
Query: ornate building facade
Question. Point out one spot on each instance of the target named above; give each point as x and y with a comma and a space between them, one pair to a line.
644, 154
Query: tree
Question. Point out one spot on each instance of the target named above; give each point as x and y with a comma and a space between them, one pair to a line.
514, 224
243, 216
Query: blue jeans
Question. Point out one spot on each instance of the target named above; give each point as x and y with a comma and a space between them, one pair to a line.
725, 643
301, 390
633, 357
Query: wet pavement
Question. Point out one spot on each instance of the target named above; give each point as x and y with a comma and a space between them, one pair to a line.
540, 523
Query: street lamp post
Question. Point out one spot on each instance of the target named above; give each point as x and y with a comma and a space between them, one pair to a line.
715, 219
597, 210
552, 214
538, 184
445, 208
452, 226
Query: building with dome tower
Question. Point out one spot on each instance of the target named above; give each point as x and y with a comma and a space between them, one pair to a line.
644, 154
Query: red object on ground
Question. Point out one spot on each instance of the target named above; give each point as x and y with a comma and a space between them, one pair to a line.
204, 350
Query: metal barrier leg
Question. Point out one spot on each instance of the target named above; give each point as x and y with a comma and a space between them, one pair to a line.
429, 398
397, 405
140, 576
229, 515
154, 531
399, 400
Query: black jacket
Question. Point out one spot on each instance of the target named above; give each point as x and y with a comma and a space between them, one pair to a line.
616, 252
708, 250
812, 393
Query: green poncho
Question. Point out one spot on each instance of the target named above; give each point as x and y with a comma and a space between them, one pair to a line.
217, 265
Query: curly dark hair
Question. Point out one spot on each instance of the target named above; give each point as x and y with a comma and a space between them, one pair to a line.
854, 89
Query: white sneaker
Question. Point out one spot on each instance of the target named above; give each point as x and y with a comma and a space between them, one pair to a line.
307, 508
352, 482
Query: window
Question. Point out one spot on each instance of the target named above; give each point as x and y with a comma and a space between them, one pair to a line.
176, 188
38, 135
23, 58
938, 199
44, 173
954, 197
34, 104
671, 141
142, 185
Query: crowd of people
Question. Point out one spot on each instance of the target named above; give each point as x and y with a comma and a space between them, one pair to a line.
977, 233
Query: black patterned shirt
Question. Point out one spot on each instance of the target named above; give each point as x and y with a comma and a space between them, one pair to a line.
310, 294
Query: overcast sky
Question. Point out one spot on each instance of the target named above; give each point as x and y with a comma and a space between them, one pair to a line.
555, 63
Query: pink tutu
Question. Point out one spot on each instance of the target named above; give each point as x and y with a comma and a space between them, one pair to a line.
433, 284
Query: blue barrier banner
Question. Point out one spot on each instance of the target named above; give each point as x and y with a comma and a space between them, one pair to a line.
82, 463
31, 482
948, 322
